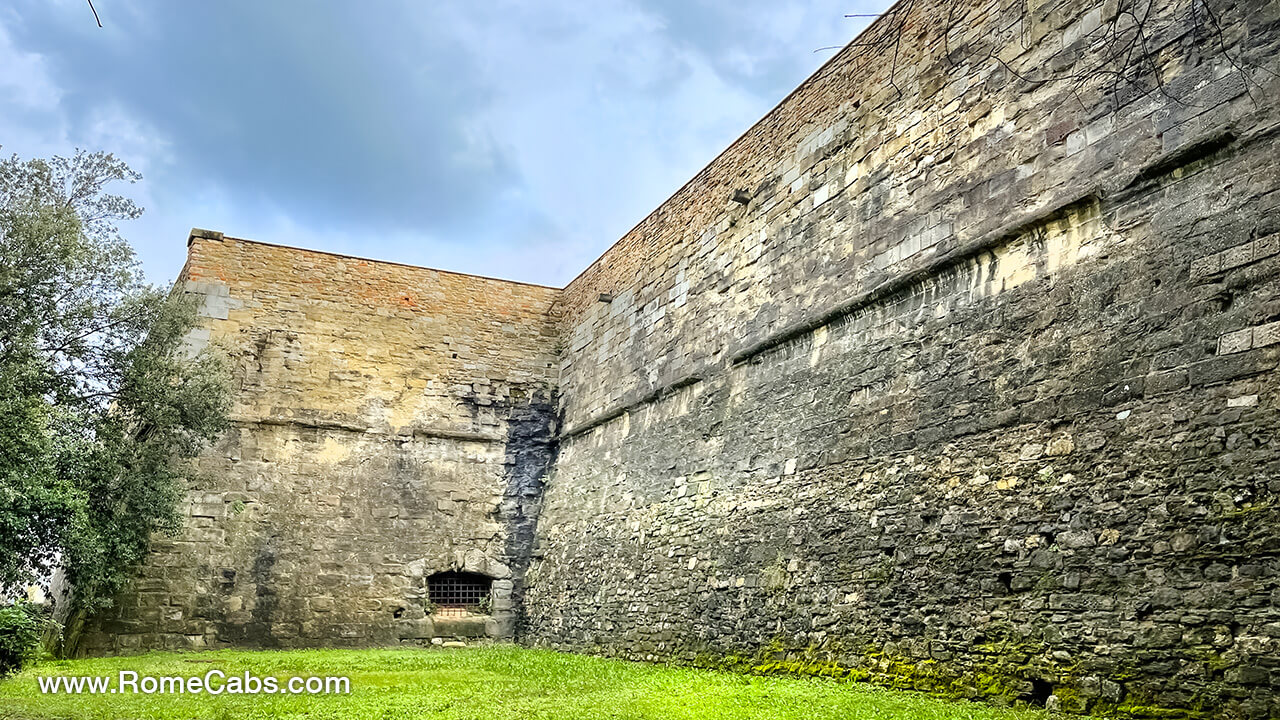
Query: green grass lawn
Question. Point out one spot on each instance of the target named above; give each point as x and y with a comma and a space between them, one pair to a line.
482, 683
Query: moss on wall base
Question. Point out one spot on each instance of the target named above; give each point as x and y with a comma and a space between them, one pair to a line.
1009, 680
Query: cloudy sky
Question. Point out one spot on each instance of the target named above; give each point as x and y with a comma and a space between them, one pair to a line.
516, 140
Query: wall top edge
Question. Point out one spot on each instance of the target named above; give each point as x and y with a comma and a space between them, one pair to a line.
215, 236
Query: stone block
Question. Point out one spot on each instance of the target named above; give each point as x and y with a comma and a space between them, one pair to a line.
460, 627
1206, 266
415, 629
1264, 335
1266, 246
1234, 257
1235, 341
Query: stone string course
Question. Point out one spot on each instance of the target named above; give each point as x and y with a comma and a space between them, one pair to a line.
962, 380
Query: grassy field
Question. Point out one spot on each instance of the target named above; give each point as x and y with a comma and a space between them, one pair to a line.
465, 683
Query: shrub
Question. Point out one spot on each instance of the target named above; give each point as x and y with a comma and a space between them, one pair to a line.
22, 625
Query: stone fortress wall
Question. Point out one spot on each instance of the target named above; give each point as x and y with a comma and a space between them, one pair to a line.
390, 422
972, 389
953, 373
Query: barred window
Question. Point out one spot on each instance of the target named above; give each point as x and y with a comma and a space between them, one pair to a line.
459, 593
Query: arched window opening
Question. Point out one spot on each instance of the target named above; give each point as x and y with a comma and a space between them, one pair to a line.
459, 593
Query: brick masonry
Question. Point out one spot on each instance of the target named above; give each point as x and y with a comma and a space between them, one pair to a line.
961, 379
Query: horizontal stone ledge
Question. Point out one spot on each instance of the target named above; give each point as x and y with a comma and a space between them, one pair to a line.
879, 293
905, 279
402, 435
1202, 148
444, 434
654, 396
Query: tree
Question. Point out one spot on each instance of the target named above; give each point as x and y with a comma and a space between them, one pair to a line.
101, 404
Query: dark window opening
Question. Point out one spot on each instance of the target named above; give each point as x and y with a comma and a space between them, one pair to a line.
459, 593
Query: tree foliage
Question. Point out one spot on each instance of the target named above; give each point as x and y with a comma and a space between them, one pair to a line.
100, 401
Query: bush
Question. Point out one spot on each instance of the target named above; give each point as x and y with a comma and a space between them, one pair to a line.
22, 626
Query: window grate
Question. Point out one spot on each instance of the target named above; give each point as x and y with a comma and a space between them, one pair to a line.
458, 593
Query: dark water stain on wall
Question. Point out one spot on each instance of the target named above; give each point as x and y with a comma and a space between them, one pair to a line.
530, 451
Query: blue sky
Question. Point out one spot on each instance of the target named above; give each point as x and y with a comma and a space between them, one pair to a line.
515, 140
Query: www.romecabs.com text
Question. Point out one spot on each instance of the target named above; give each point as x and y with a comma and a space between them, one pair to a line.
214, 682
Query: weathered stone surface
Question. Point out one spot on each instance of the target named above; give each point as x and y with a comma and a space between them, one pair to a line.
1006, 334
390, 422
964, 382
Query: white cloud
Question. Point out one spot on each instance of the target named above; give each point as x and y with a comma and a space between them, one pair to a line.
25, 83
32, 123
129, 137
602, 111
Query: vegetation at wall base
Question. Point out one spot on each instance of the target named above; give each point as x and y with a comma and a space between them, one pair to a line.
489, 683
22, 625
